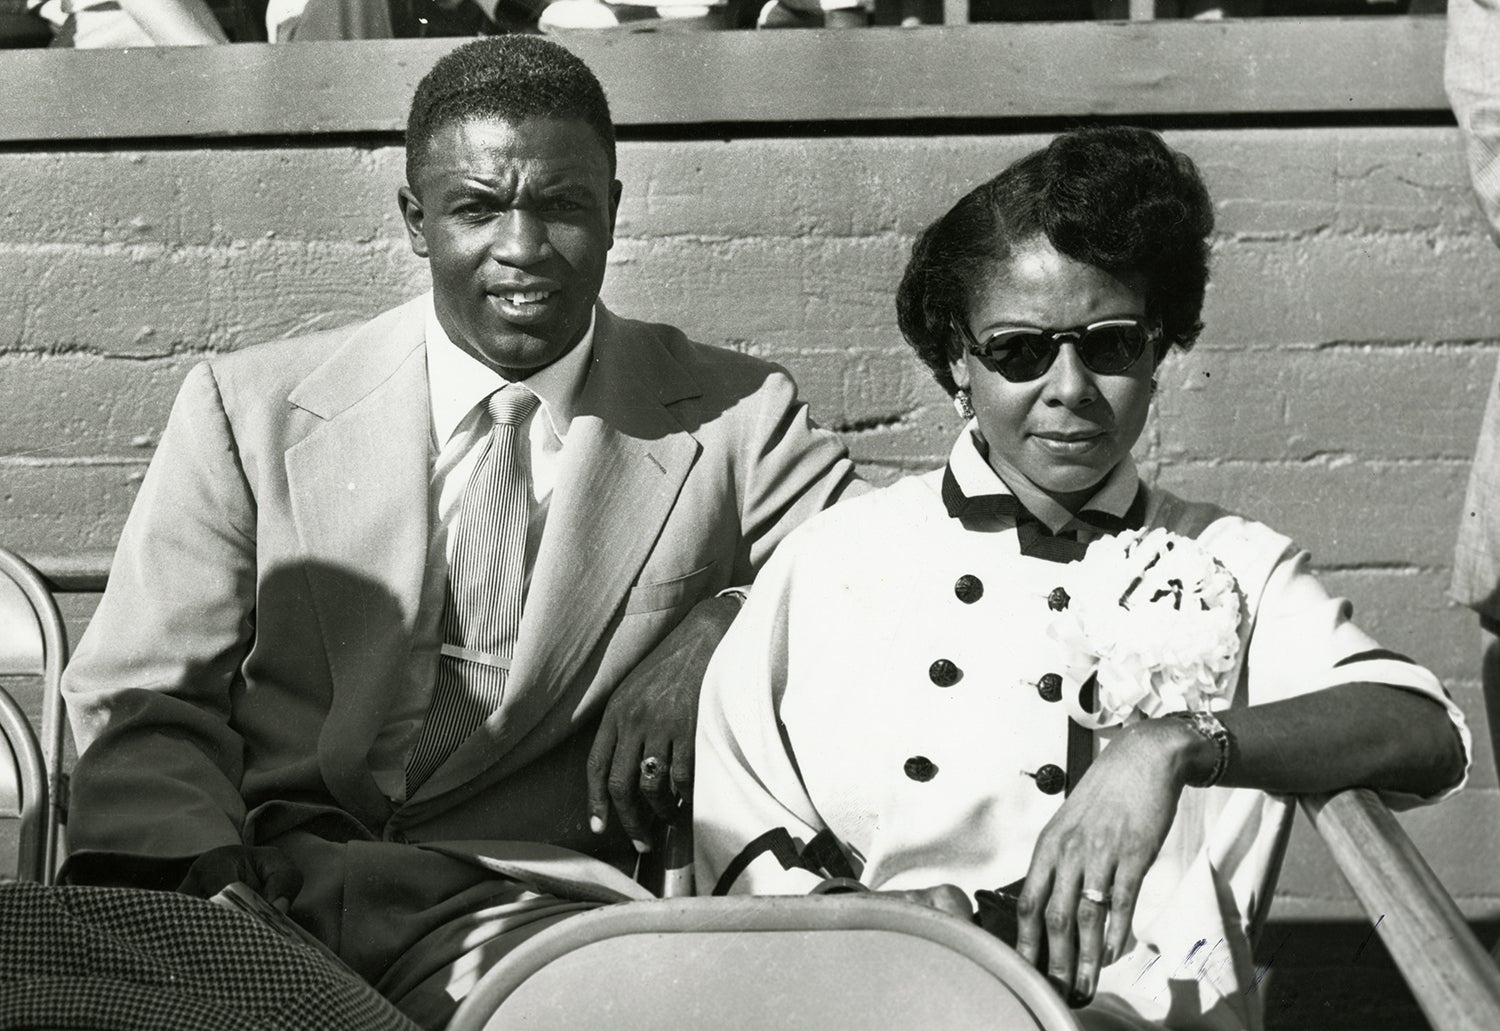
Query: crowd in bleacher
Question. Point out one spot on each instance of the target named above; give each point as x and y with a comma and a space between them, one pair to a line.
87, 24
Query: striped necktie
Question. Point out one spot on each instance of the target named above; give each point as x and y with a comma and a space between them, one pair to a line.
482, 610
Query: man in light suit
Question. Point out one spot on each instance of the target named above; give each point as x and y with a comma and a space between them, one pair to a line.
262, 665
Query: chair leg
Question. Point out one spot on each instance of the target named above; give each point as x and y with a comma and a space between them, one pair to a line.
31, 851
52, 796
677, 858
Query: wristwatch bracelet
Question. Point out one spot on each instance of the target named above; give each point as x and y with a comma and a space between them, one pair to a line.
1208, 726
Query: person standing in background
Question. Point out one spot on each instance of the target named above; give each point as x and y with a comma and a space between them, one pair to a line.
1472, 77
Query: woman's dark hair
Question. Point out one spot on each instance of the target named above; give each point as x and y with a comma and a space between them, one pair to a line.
1117, 198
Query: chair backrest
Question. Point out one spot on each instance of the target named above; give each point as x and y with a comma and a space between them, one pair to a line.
812, 961
33, 642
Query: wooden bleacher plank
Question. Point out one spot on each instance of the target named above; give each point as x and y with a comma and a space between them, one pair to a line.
1020, 70
81, 571
1454, 980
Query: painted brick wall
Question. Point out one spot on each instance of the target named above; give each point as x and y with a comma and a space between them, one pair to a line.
1353, 324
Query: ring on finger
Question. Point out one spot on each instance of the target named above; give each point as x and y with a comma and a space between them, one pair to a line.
1094, 895
652, 768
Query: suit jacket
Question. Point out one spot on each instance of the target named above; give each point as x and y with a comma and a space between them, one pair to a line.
261, 607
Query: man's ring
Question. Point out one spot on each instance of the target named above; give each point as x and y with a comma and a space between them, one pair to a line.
1097, 897
652, 768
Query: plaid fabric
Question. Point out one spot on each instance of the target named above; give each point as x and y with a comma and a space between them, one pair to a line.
1472, 76
118, 959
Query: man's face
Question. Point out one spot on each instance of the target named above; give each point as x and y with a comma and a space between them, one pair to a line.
515, 220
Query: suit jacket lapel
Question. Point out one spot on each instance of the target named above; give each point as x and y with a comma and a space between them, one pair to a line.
624, 462
358, 487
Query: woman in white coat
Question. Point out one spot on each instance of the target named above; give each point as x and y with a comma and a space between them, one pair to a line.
1028, 676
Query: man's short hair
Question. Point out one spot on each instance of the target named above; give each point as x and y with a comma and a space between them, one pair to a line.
510, 78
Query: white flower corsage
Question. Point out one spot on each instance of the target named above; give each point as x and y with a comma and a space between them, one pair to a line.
1156, 619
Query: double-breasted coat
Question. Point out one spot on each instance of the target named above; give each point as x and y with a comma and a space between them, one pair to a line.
893, 682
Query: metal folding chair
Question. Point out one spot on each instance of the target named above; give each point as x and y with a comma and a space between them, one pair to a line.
33, 642
811, 961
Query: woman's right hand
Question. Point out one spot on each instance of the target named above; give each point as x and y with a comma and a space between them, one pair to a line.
1103, 839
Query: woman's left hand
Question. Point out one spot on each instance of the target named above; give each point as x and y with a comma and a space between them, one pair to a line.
1100, 844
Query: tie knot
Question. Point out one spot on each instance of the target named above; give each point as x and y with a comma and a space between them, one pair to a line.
511, 404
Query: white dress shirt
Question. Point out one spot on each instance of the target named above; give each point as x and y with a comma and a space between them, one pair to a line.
458, 384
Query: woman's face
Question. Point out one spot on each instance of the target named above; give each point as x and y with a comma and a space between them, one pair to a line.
1065, 430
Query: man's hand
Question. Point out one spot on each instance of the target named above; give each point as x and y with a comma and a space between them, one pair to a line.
653, 713
1103, 840
262, 867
